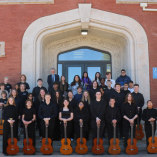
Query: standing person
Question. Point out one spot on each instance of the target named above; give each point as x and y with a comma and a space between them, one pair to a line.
63, 87
2, 88
65, 116
76, 82
10, 111
8, 86
86, 81
119, 98
108, 77
47, 113
103, 96
52, 78
125, 90
23, 81
17, 87
3, 100
139, 100
54, 89
98, 110
123, 78
93, 89
81, 114
57, 100
78, 96
28, 119
112, 117
98, 78
129, 113
149, 115
103, 86
131, 86
30, 97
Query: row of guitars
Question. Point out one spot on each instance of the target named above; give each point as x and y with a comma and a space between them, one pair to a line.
81, 147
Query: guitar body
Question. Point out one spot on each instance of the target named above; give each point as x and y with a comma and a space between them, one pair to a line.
114, 149
132, 149
66, 149
81, 148
28, 149
152, 147
139, 133
12, 149
98, 149
46, 148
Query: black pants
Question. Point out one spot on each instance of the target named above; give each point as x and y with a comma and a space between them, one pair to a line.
127, 129
72, 129
94, 128
38, 120
57, 134
6, 134
50, 129
31, 132
110, 131
121, 129
16, 127
68, 129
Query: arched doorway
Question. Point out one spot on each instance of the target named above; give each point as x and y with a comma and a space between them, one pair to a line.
76, 61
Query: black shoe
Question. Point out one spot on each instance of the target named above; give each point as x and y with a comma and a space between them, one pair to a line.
5, 154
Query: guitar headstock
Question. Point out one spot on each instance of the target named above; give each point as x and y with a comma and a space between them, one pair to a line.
65, 124
152, 123
114, 125
26, 125
132, 125
81, 124
98, 125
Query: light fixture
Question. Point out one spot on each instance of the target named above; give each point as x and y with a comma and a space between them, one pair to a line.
84, 32
144, 5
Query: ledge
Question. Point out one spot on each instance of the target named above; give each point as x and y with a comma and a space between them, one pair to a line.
2, 49
137, 1
4, 2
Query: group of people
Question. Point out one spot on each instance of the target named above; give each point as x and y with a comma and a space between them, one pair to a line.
101, 101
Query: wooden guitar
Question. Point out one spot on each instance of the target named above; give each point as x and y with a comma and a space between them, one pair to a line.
131, 149
46, 147
139, 133
114, 148
81, 147
152, 147
1, 123
98, 147
12, 148
66, 148
28, 147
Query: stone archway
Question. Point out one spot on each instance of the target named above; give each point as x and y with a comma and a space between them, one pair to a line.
122, 36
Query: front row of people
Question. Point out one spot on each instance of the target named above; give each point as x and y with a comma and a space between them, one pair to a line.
99, 114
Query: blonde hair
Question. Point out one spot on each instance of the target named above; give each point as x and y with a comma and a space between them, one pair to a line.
7, 104
83, 97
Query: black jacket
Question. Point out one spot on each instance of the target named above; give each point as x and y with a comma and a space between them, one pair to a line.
50, 82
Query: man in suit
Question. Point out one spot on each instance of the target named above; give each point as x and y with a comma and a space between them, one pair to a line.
52, 78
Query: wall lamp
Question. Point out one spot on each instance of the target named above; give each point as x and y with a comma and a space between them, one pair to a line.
144, 5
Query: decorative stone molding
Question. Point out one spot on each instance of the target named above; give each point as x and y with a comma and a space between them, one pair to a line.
25, 1
137, 1
2, 49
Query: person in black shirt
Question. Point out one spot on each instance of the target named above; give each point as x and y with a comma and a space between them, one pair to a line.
98, 110
139, 100
3, 100
54, 89
28, 119
119, 98
65, 116
23, 81
47, 112
93, 89
8, 86
81, 114
112, 117
125, 90
103, 86
17, 87
149, 115
10, 111
129, 113
103, 96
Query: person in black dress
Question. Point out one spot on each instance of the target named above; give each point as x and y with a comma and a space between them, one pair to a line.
57, 100
10, 111
129, 113
47, 113
23, 81
93, 90
38, 101
98, 110
3, 100
28, 119
149, 115
112, 117
8, 86
65, 116
81, 114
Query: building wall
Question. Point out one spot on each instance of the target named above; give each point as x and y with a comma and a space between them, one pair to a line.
14, 20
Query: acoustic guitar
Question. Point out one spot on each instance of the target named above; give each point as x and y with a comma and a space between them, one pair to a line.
1, 123
139, 133
12, 148
81, 147
98, 147
46, 147
131, 149
28, 148
66, 148
152, 147
114, 148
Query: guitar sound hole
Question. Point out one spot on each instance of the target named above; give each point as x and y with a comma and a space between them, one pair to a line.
114, 149
153, 147
81, 148
66, 149
97, 149
29, 149
131, 149
12, 149
46, 149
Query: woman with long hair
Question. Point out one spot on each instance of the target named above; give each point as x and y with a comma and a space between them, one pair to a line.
98, 78
93, 89
86, 80
23, 79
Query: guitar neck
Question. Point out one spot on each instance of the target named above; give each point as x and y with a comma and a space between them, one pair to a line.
12, 138
26, 135
131, 134
46, 135
97, 135
65, 133
152, 123
114, 135
138, 123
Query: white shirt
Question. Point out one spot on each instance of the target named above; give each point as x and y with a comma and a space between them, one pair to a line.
131, 90
113, 83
